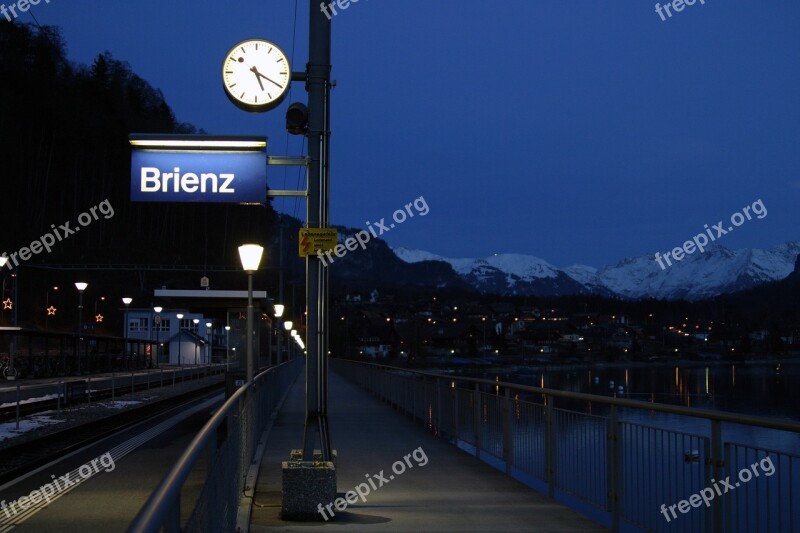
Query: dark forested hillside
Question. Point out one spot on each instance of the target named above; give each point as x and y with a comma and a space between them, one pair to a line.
64, 143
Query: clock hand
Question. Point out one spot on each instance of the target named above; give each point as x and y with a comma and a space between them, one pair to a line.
255, 71
269, 80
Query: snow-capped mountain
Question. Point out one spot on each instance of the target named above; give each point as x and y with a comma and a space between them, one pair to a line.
509, 274
718, 270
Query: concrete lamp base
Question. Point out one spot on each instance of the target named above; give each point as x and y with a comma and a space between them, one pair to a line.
306, 485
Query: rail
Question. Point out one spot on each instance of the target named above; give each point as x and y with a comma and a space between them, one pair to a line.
229, 440
630, 465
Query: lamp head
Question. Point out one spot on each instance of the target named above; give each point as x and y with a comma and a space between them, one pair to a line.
158, 309
81, 286
279, 310
179, 316
288, 325
127, 301
250, 256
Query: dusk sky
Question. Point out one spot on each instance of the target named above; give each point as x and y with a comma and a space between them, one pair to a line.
578, 132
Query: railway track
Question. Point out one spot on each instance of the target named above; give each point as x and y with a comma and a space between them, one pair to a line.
9, 412
21, 458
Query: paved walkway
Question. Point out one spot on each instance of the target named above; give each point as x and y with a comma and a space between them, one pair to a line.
453, 491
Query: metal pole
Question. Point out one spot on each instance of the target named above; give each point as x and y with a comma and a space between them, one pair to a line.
14, 310
80, 327
249, 361
278, 341
269, 344
318, 86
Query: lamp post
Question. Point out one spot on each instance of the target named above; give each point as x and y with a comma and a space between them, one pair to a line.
127, 303
9, 372
47, 311
483, 348
157, 326
288, 327
279, 308
3, 261
179, 316
195, 321
250, 255
101, 299
227, 348
81, 286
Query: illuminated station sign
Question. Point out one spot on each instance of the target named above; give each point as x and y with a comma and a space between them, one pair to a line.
198, 168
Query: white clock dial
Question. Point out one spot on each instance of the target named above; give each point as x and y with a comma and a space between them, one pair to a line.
256, 75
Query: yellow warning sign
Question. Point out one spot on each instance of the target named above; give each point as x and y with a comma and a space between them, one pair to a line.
313, 239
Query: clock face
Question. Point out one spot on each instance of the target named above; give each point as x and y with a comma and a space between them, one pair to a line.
256, 75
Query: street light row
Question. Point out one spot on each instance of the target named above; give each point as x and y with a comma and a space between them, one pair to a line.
250, 256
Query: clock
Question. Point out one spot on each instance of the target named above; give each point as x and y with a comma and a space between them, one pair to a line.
256, 75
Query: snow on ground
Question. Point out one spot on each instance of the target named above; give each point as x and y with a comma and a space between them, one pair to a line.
31, 400
118, 404
8, 430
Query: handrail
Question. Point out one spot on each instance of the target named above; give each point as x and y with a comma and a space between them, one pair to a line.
158, 504
619, 402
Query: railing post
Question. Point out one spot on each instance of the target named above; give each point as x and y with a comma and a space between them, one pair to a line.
550, 466
508, 433
476, 419
717, 471
438, 430
454, 396
613, 467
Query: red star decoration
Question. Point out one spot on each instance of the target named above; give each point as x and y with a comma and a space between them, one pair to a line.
51, 311
8, 304
98, 318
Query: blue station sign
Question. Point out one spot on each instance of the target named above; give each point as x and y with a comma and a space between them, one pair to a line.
198, 168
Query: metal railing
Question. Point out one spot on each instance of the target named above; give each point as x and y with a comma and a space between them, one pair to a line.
16, 396
229, 440
39, 354
621, 462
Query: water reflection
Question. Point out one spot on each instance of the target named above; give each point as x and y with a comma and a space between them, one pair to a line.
755, 389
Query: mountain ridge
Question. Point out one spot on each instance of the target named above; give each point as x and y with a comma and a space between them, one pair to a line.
716, 271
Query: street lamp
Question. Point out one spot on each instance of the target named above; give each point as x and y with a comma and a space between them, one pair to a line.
483, 348
157, 326
179, 316
127, 303
195, 321
101, 299
47, 305
288, 327
279, 308
81, 286
250, 255
227, 348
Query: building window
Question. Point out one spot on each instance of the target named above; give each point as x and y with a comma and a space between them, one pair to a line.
165, 325
137, 325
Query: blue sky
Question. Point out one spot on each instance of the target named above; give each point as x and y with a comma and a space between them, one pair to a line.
576, 131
